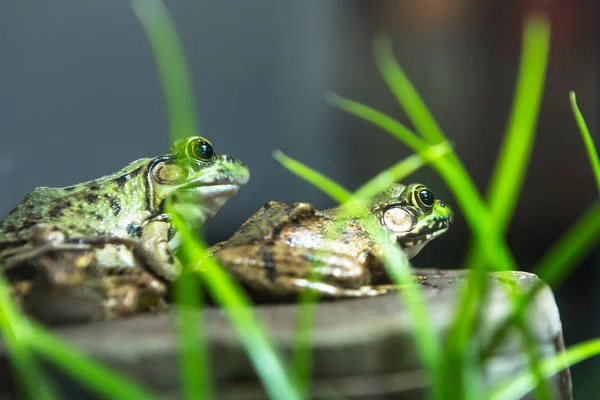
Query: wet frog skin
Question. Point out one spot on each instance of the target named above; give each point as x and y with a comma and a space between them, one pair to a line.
114, 229
277, 250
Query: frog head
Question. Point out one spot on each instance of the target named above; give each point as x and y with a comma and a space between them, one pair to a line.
194, 180
412, 216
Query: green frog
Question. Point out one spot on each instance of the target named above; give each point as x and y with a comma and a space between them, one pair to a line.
278, 251
112, 234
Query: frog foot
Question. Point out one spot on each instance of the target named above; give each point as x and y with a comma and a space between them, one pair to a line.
131, 292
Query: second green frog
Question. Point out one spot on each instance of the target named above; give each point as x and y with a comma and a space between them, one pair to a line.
281, 249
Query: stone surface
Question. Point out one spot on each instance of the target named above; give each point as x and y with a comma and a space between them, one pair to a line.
363, 348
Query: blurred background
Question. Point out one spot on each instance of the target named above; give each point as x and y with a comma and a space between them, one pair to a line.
80, 98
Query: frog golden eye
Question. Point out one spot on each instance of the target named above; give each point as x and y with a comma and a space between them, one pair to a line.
200, 149
424, 197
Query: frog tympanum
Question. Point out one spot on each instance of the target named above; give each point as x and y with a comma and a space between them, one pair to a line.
279, 249
112, 235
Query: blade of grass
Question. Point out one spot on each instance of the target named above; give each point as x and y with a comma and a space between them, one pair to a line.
302, 356
476, 214
571, 247
266, 360
555, 264
401, 170
513, 158
380, 119
425, 336
385, 178
457, 180
516, 388
568, 250
193, 349
491, 239
542, 389
25, 365
109, 384
176, 82
405, 93
174, 75
587, 139
331, 188
509, 171
408, 97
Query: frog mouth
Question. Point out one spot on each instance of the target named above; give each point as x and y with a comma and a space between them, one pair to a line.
207, 192
415, 239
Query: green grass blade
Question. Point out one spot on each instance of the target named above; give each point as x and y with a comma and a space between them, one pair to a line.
401, 170
525, 382
174, 74
587, 138
569, 250
403, 90
511, 166
463, 188
455, 176
572, 246
425, 336
12, 325
266, 360
554, 266
542, 389
194, 363
109, 384
333, 189
380, 119
302, 356
395, 259
176, 83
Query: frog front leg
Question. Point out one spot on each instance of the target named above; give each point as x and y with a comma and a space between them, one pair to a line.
158, 253
287, 271
132, 291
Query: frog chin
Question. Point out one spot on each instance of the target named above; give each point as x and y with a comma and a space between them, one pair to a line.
413, 250
202, 203
413, 245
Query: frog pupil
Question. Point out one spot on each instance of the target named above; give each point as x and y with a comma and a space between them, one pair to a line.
426, 196
203, 150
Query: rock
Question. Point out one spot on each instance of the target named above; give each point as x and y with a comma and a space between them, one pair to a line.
363, 348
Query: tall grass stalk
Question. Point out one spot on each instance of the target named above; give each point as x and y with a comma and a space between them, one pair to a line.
174, 75
227, 293
425, 336
571, 247
514, 154
587, 139
15, 334
516, 388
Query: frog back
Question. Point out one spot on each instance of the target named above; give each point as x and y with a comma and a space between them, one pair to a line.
105, 206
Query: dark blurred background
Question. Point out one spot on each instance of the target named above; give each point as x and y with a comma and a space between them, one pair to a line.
80, 98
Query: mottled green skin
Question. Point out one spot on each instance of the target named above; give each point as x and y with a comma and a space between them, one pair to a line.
112, 205
117, 204
277, 250
124, 204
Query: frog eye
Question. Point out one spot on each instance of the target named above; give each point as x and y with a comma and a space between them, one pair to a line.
200, 149
424, 197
